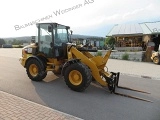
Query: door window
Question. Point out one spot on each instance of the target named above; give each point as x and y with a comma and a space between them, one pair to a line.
45, 40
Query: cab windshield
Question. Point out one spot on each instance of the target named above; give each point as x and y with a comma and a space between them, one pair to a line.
60, 35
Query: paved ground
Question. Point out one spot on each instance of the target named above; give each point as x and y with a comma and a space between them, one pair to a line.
11, 105
16, 108
139, 69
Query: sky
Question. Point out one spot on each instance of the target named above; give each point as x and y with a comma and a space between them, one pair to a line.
85, 17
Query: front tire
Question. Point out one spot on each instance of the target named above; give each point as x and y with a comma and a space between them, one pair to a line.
77, 77
35, 70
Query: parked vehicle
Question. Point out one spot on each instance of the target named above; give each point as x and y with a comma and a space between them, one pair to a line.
155, 57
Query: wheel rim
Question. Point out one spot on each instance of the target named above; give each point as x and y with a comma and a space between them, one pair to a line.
33, 70
75, 77
156, 60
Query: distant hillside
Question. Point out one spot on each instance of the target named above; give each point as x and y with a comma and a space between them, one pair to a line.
18, 38
75, 36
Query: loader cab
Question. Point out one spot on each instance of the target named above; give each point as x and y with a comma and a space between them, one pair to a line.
52, 38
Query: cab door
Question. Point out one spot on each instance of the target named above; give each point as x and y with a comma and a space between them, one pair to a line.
45, 40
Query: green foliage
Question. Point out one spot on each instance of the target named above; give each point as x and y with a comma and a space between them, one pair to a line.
16, 42
99, 53
9, 42
2, 41
125, 56
110, 40
17, 46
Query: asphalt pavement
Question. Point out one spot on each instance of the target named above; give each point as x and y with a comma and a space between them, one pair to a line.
133, 68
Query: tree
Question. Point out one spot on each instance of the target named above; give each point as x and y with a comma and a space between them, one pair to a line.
2, 41
9, 42
16, 42
110, 41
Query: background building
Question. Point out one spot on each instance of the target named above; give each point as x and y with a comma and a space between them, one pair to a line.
137, 35
92, 40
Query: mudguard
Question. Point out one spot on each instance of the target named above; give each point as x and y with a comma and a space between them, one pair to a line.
72, 61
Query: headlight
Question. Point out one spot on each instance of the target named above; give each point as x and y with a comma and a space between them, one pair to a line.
28, 50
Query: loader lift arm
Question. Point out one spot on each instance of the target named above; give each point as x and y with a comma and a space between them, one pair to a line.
97, 65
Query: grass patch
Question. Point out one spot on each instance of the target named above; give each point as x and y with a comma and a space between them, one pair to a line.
17, 46
99, 53
125, 56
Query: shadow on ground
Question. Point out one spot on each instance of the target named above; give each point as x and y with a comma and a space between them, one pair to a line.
95, 103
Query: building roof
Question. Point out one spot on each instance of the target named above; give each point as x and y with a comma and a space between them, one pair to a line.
135, 29
76, 36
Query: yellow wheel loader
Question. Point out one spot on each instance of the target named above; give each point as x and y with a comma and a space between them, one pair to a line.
54, 51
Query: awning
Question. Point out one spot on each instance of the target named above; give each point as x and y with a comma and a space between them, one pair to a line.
137, 29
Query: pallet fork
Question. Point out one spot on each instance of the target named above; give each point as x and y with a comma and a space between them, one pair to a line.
116, 82
116, 76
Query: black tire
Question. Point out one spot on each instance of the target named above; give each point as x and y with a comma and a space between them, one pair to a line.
83, 73
156, 60
35, 70
44, 75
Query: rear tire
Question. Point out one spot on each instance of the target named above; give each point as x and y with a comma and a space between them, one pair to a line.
77, 77
156, 60
35, 70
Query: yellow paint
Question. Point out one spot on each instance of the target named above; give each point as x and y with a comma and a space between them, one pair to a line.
33, 70
75, 77
89, 55
96, 64
22, 61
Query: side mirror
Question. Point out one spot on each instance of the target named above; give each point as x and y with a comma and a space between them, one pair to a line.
50, 29
70, 39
